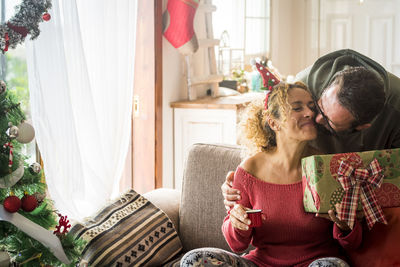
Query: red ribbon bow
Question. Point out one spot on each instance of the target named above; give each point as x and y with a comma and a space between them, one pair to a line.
358, 184
7, 39
19, 29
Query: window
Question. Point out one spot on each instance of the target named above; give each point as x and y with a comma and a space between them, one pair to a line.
243, 27
13, 71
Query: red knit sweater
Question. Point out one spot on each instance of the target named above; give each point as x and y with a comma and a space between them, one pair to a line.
289, 236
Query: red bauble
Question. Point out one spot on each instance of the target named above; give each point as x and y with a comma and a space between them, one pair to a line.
29, 203
12, 204
46, 16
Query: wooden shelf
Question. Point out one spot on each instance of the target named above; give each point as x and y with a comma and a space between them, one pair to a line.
223, 102
206, 80
208, 42
207, 8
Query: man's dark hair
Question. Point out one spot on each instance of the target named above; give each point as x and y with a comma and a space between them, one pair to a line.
361, 92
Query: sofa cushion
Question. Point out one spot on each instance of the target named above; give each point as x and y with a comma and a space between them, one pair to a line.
168, 201
202, 208
130, 231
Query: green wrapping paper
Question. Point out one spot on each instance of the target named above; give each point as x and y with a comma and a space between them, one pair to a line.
322, 189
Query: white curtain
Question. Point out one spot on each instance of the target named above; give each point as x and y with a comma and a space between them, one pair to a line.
81, 85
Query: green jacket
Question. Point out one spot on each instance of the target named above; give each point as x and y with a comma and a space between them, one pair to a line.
385, 130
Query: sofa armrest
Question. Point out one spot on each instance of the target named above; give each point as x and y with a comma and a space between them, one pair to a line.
168, 201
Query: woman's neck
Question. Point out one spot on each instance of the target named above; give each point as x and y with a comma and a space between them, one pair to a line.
281, 165
288, 154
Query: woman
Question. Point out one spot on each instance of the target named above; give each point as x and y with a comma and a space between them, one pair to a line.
270, 179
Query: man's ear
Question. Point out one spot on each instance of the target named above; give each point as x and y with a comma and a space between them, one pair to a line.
363, 126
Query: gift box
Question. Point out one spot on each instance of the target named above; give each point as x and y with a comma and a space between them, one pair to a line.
360, 181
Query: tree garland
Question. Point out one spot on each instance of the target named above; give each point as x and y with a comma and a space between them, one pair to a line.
25, 21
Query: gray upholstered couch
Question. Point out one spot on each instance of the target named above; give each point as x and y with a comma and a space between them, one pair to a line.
198, 210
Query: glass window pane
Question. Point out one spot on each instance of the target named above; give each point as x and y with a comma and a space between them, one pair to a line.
10, 8
243, 25
14, 72
256, 32
257, 8
229, 17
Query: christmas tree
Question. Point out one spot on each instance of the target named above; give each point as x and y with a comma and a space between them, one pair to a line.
32, 232
26, 211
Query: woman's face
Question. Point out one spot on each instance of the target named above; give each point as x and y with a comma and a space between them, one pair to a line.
299, 124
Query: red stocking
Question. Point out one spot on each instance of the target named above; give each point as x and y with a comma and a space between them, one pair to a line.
178, 25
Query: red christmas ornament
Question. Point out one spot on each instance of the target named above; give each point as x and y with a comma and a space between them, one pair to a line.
63, 225
12, 204
29, 203
46, 16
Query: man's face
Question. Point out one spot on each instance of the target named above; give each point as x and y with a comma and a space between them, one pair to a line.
337, 117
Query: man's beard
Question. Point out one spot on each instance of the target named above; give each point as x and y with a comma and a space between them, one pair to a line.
322, 129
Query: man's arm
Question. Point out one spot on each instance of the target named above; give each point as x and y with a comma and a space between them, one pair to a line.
230, 194
396, 140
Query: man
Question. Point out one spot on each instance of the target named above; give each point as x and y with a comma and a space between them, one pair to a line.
354, 114
373, 125
359, 110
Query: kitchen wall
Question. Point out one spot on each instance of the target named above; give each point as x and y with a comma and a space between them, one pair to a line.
301, 31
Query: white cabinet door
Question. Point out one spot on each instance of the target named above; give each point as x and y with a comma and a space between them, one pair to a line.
200, 126
371, 27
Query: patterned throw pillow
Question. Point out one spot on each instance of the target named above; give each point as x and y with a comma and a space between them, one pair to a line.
129, 232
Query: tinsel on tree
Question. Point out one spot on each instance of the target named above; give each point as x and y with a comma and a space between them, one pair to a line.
25, 21
32, 232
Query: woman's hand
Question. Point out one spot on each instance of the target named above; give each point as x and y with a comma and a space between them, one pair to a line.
230, 195
239, 218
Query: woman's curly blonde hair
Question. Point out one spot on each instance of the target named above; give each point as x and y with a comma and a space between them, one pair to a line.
254, 131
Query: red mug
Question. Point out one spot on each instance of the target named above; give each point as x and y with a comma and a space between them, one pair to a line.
255, 217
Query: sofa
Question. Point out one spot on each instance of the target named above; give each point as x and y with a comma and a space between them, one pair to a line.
198, 210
